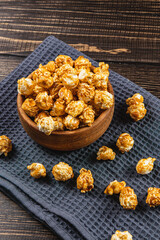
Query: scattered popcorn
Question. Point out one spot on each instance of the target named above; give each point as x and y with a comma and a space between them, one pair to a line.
30, 107
25, 86
65, 94
40, 116
50, 66
58, 108
103, 99
105, 153
62, 172
71, 123
135, 99
114, 187
58, 124
121, 235
82, 62
85, 92
5, 145
145, 166
44, 101
46, 125
43, 77
87, 116
125, 142
85, 181
137, 111
37, 170
75, 108
153, 197
128, 199
63, 59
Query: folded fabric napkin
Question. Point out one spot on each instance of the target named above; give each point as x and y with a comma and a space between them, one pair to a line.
60, 205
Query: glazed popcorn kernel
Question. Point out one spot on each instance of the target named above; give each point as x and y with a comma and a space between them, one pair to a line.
85, 92
128, 199
37, 89
137, 111
103, 68
85, 181
145, 166
82, 62
125, 142
75, 108
37, 170
63, 59
44, 101
54, 90
114, 187
46, 125
58, 124
65, 69
58, 108
50, 66
62, 172
105, 153
153, 197
30, 107
135, 99
25, 86
103, 99
40, 116
70, 80
87, 116
121, 235
5, 145
71, 123
85, 76
43, 77
65, 94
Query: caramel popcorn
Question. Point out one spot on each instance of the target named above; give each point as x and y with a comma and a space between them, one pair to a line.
46, 125
25, 86
71, 123
101, 76
102, 68
44, 101
5, 145
75, 108
30, 107
128, 199
65, 94
153, 197
65, 69
87, 116
137, 111
58, 108
103, 99
145, 166
85, 92
40, 116
125, 142
70, 80
121, 235
85, 76
62, 172
105, 153
85, 181
114, 187
43, 77
63, 59
54, 90
37, 170
135, 99
50, 66
58, 124
37, 89
82, 62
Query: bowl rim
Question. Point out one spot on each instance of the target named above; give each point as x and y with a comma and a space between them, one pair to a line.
32, 124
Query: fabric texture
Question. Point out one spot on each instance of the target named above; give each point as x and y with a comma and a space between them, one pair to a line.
60, 205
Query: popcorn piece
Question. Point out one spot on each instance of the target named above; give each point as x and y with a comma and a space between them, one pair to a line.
153, 197
137, 111
40, 116
58, 124
85, 76
46, 125
103, 68
128, 199
145, 166
5, 145
25, 86
75, 108
85, 181
101, 76
65, 94
30, 107
114, 187
62, 172
50, 66
125, 142
58, 108
103, 99
63, 59
105, 153
82, 62
54, 90
85, 92
43, 77
37, 170
37, 89
44, 101
70, 80
121, 235
71, 123
65, 69
135, 99
87, 116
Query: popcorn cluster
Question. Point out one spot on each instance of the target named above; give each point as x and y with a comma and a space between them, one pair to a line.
74, 92
121, 235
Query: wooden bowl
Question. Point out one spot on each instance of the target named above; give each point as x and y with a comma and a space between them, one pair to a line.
67, 140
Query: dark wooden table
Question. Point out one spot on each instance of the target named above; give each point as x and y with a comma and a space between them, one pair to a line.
125, 34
